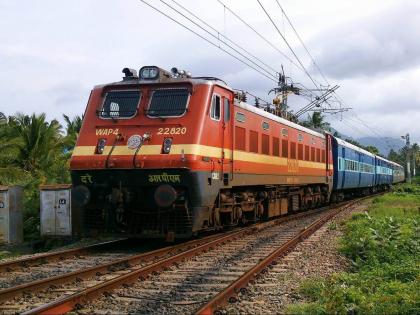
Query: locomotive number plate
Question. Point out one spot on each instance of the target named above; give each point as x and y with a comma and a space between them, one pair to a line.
106, 131
172, 131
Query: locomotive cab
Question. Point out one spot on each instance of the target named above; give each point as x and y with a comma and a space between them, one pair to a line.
152, 154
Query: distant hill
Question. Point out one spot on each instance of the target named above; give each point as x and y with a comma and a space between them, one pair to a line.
384, 144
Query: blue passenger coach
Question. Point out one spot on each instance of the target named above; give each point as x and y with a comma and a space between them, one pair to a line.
384, 172
354, 169
398, 175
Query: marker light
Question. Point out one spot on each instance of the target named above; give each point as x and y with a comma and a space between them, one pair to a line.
166, 147
149, 73
100, 146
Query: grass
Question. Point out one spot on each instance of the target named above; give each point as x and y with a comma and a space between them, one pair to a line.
383, 246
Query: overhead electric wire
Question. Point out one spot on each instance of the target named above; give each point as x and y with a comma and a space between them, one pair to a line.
259, 34
224, 36
287, 43
301, 41
218, 38
368, 131
209, 41
373, 131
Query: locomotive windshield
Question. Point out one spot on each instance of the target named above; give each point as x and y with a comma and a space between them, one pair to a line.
120, 104
168, 102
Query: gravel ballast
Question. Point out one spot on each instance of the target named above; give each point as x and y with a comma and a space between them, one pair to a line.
315, 257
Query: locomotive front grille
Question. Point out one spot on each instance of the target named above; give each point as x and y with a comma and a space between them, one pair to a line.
160, 222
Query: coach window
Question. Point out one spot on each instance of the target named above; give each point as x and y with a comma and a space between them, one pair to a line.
300, 137
265, 125
240, 117
300, 151
323, 156
284, 148
215, 108
307, 153
313, 154
284, 132
226, 109
253, 141
240, 138
265, 144
276, 146
293, 150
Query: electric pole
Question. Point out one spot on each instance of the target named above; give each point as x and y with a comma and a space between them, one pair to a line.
407, 146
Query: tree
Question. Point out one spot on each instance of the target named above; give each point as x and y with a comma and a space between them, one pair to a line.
9, 145
372, 149
73, 127
395, 157
41, 141
316, 121
354, 142
3, 119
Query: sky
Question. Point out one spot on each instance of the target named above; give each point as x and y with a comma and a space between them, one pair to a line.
52, 53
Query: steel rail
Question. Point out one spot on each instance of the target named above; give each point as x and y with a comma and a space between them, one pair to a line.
52, 256
70, 302
104, 268
229, 294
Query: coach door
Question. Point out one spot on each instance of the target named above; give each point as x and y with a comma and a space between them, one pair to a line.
227, 147
328, 159
221, 131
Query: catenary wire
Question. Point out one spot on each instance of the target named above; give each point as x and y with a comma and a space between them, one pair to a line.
209, 41
287, 43
218, 38
301, 41
258, 34
224, 36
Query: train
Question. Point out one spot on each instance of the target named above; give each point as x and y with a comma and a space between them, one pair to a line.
162, 154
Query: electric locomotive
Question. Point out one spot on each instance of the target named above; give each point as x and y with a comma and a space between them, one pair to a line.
165, 154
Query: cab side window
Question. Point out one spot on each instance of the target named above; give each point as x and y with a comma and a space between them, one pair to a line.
215, 108
226, 109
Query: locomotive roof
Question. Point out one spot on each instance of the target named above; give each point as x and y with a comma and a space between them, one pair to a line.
197, 80
268, 115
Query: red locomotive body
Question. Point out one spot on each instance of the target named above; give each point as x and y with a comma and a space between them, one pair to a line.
169, 155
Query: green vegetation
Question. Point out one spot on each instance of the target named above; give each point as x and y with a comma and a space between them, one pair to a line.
383, 247
34, 151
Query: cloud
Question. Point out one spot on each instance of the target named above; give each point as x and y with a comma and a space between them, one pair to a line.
375, 45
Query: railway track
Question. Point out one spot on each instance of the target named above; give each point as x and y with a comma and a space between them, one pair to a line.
47, 265
44, 258
177, 278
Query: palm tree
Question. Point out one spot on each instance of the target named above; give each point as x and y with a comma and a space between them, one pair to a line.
9, 144
3, 119
40, 142
72, 131
316, 121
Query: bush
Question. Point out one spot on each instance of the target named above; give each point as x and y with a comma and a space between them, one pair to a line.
383, 246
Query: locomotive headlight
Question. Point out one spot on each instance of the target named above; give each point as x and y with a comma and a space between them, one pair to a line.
100, 146
166, 147
149, 73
